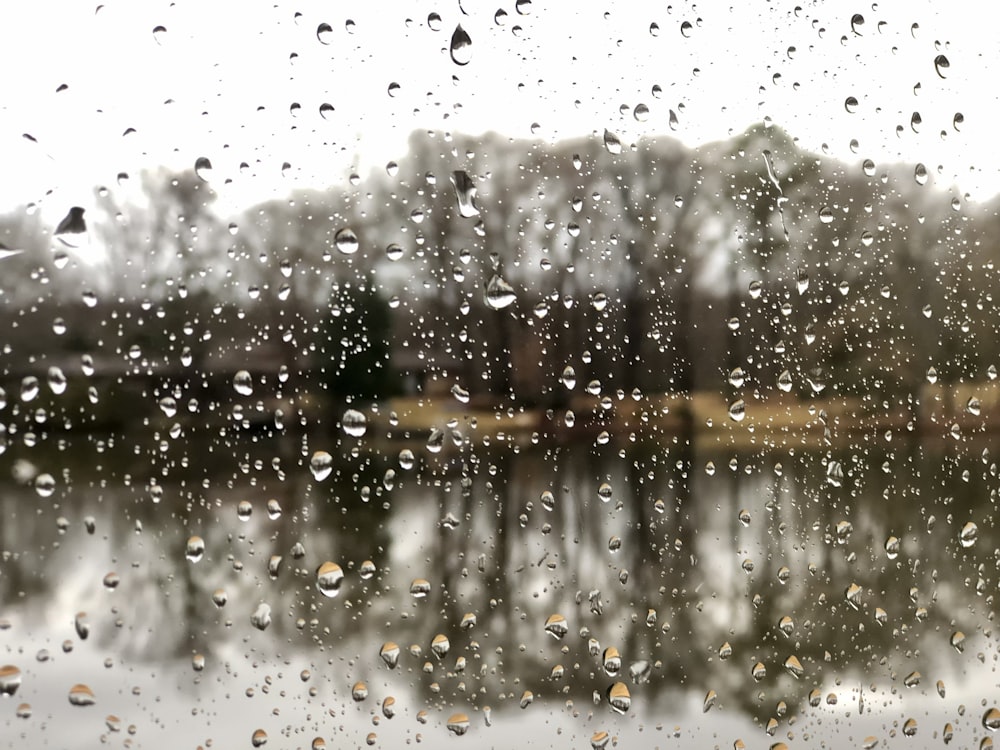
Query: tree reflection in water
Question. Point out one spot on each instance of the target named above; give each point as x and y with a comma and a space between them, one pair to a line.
723, 562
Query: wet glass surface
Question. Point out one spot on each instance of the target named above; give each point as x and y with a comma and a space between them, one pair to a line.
725, 563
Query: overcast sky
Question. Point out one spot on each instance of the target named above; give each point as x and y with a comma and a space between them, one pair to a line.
221, 80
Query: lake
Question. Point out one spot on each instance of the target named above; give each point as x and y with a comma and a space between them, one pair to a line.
667, 594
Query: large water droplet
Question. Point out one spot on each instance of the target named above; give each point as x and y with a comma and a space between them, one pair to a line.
243, 383
458, 724
461, 46
794, 666
737, 410
499, 294
346, 241
195, 549
203, 168
329, 578
440, 645
390, 654
420, 588
612, 142
354, 423
991, 719
619, 697
556, 626
81, 695
321, 465
72, 230
261, 617
941, 64
465, 193
967, 536
10, 679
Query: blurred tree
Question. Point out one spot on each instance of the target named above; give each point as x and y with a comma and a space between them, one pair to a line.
356, 356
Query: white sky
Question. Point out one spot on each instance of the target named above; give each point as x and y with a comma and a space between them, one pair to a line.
569, 69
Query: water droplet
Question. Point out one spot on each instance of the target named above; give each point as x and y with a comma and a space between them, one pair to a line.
857, 21
72, 230
853, 595
243, 383
389, 707
619, 698
261, 617
892, 547
259, 738
195, 549
941, 64
612, 142
219, 598
499, 294
440, 645
435, 441
81, 695
758, 671
737, 410
737, 377
910, 727
465, 194
10, 679
710, 698
612, 660
967, 536
785, 381
461, 46
321, 465
991, 719
111, 581
354, 423
359, 692
851, 104
801, 280
346, 241
390, 654
420, 588
912, 679
203, 168
458, 724
159, 32
957, 641
556, 626
406, 459
920, 174
794, 666
329, 577
599, 740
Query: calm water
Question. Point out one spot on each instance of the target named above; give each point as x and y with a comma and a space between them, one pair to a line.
665, 553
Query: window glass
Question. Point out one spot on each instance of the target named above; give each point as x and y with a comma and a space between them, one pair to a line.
517, 374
